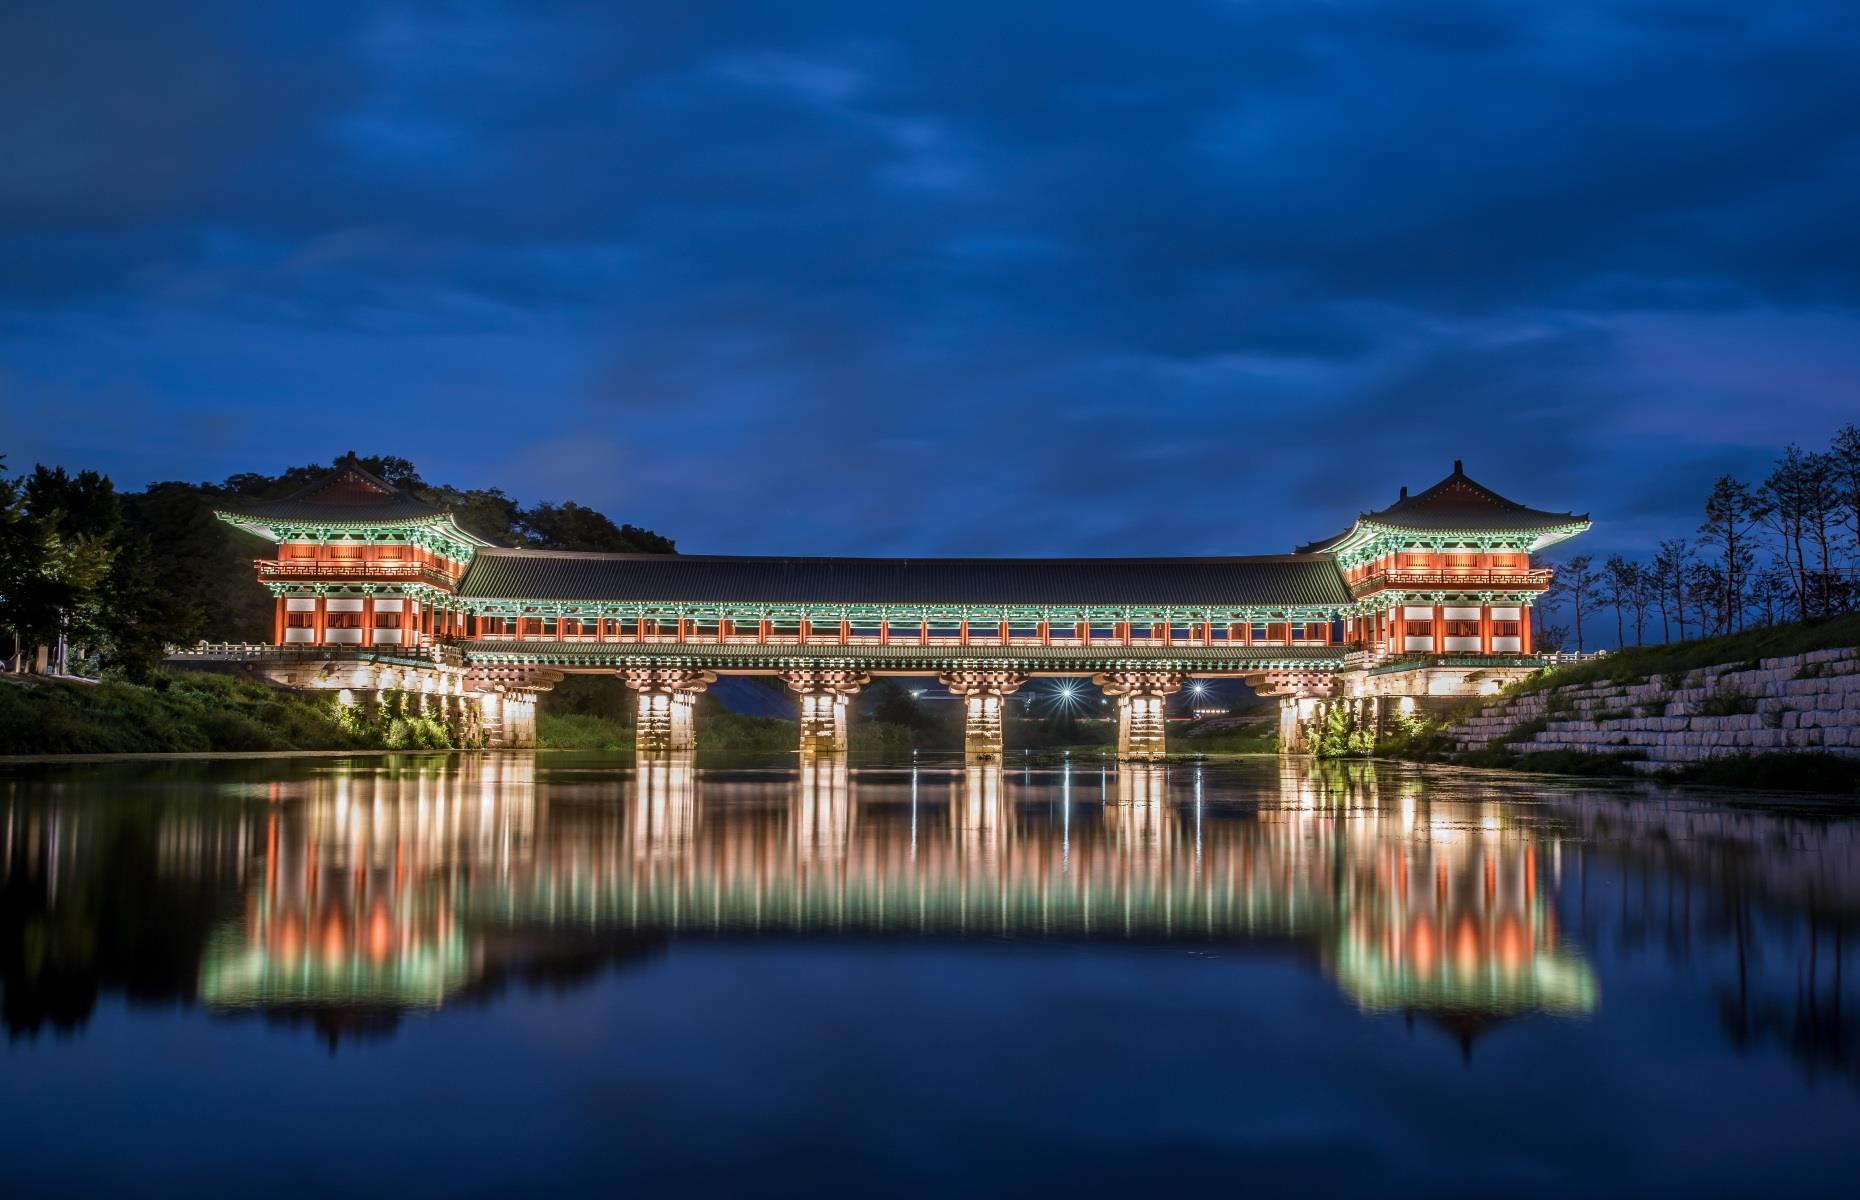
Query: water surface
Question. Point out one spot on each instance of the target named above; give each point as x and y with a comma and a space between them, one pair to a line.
493, 974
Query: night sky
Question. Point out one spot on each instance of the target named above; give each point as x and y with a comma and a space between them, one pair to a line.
939, 278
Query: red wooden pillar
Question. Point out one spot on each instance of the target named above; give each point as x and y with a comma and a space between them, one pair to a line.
923, 632
962, 631
368, 621
884, 631
806, 627
319, 622
1006, 631
1440, 630
762, 631
845, 632
1046, 633
1485, 629
277, 624
1524, 629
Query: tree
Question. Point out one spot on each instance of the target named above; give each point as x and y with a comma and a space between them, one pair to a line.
1705, 587
487, 512
892, 704
205, 565
1672, 565
1578, 584
1773, 592
22, 564
1821, 509
1782, 499
1844, 477
76, 579
1621, 586
570, 526
1646, 591
1731, 515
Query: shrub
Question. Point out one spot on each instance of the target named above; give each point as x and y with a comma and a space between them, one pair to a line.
581, 731
1727, 700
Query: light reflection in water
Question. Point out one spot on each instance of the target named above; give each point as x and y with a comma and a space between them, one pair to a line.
1038, 953
401, 889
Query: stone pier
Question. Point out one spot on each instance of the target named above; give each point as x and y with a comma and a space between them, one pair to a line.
1140, 697
982, 693
824, 693
667, 697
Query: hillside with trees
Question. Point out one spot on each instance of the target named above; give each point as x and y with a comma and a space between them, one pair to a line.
105, 578
1786, 548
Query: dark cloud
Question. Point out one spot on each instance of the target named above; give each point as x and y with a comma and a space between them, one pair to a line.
959, 276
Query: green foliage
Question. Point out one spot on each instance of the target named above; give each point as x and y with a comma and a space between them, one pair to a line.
1339, 733
202, 567
569, 526
602, 696
1226, 736
1552, 762
1524, 731
882, 739
190, 712
183, 712
71, 566
1727, 700
580, 731
735, 732
1413, 736
1677, 658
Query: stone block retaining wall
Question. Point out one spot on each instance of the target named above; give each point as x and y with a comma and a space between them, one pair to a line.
1802, 702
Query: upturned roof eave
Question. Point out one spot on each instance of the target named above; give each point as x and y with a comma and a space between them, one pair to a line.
1370, 525
255, 516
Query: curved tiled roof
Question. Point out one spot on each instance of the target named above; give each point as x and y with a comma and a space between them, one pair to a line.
1294, 580
1103, 656
1457, 503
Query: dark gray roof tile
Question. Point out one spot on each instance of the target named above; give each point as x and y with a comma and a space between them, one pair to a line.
1300, 580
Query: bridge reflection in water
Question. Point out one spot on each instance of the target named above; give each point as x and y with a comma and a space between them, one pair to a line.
399, 890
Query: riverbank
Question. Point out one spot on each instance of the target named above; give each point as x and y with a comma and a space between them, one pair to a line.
1775, 708
187, 712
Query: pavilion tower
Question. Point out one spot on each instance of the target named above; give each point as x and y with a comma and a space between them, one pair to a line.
1448, 571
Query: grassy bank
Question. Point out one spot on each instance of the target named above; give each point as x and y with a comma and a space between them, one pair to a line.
1637, 664
1229, 736
186, 712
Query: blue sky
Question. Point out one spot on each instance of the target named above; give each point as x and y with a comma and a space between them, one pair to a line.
938, 278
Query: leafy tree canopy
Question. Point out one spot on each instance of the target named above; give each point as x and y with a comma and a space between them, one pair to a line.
126, 572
